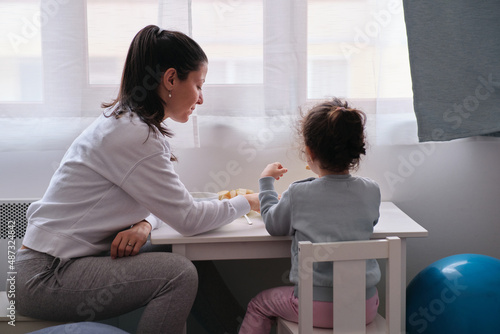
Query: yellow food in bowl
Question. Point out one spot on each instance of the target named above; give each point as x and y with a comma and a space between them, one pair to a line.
228, 194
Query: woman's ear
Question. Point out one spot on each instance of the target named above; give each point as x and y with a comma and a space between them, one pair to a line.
169, 78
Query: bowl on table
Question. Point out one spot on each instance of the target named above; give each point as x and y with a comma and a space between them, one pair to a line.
204, 196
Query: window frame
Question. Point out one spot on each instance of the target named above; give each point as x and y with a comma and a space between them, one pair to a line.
283, 91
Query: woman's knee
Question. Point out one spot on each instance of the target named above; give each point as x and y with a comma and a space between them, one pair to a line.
184, 270
190, 274
167, 264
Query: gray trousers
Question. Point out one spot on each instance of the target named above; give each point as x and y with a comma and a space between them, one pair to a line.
98, 287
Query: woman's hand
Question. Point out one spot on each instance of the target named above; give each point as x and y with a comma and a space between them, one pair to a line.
275, 170
129, 242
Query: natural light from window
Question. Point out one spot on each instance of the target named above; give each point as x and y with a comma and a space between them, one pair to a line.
231, 33
346, 39
109, 35
21, 51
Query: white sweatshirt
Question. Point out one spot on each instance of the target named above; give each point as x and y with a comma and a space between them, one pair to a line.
115, 174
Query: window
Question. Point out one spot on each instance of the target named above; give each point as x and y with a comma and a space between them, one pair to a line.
357, 49
61, 59
21, 51
110, 29
231, 33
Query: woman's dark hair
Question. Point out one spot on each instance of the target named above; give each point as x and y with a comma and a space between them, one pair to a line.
334, 133
150, 54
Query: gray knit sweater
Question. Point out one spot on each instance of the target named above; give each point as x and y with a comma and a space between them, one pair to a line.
327, 209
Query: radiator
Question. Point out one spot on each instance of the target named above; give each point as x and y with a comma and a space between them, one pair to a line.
13, 218
12, 229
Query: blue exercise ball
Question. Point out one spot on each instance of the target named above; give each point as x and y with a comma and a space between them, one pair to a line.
457, 294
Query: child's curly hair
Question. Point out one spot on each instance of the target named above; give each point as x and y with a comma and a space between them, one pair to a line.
335, 133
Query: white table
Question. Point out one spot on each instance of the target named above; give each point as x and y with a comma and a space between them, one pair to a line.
239, 240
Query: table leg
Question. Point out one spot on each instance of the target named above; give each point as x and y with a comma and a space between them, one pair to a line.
179, 249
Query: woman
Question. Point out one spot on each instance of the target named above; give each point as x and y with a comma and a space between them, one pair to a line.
114, 185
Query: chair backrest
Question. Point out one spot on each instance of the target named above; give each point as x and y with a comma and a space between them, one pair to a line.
349, 282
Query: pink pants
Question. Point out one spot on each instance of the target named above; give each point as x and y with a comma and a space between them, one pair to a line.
281, 302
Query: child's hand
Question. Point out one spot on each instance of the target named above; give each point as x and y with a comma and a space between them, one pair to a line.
275, 170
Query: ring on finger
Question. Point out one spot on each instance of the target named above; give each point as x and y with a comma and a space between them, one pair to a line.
129, 244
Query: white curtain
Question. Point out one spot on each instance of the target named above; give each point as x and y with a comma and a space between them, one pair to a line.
61, 59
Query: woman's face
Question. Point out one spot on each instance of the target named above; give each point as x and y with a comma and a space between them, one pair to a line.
185, 95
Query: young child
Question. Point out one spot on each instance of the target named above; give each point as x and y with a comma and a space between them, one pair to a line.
335, 206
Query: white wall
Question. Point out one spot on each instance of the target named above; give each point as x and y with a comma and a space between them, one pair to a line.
452, 189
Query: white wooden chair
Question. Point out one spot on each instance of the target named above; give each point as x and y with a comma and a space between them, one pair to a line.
349, 286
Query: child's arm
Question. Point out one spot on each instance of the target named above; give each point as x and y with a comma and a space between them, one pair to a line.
275, 212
